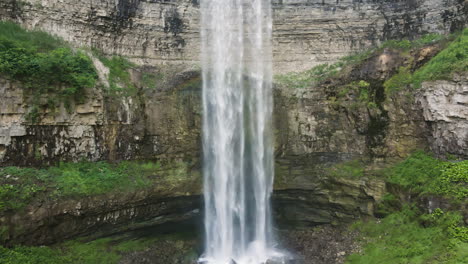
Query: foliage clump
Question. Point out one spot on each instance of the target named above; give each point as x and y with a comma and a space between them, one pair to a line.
422, 173
45, 65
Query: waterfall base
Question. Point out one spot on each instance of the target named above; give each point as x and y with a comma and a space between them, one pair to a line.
255, 254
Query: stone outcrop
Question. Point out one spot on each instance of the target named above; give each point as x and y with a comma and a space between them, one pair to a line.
305, 32
445, 109
306, 196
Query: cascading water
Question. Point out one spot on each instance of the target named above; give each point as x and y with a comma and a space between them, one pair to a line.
237, 140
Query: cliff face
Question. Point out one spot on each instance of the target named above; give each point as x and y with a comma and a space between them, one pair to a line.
445, 108
162, 123
314, 130
306, 32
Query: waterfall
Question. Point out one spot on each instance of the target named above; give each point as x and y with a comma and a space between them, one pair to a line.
237, 131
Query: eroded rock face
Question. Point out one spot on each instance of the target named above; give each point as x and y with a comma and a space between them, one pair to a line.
305, 32
445, 108
48, 220
306, 196
158, 123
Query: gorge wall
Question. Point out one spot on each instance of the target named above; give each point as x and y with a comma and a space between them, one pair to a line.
313, 131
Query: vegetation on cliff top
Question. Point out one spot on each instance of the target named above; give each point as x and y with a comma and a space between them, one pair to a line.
45, 65
452, 59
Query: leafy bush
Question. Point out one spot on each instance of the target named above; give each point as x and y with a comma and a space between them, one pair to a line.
44, 64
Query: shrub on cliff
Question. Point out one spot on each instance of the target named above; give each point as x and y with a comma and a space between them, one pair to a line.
44, 64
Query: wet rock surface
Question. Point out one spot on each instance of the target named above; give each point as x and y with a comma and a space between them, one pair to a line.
322, 245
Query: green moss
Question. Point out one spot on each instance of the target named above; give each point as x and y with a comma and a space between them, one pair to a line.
421, 173
19, 186
319, 73
45, 65
409, 237
352, 169
355, 95
399, 81
151, 80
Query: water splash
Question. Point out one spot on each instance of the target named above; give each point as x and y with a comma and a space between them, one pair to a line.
237, 139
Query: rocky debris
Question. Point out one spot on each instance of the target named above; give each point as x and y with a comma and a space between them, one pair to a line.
164, 252
321, 245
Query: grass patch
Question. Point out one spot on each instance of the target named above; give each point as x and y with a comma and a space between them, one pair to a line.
421, 173
101, 251
120, 83
45, 65
452, 59
352, 169
411, 238
19, 186
319, 73
325, 71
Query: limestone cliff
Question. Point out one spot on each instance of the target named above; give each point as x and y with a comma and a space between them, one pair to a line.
160, 123
306, 32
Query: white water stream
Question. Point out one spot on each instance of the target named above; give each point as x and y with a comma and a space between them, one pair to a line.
237, 131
